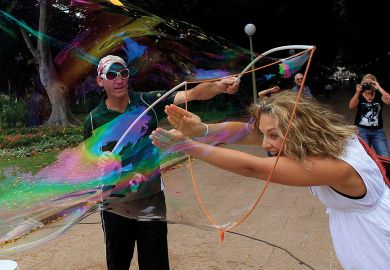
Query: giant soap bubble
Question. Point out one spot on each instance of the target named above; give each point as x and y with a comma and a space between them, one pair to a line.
161, 54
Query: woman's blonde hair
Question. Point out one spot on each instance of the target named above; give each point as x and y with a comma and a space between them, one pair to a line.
368, 76
315, 131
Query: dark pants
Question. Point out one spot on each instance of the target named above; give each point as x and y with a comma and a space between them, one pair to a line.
121, 233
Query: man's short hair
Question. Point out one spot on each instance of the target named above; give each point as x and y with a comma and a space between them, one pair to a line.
298, 74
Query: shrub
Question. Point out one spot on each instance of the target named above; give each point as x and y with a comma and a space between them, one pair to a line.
12, 111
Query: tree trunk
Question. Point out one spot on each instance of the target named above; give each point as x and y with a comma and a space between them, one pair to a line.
59, 112
55, 89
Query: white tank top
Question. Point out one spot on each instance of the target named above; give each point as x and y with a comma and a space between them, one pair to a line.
360, 228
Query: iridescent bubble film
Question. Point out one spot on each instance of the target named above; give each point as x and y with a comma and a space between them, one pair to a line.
160, 53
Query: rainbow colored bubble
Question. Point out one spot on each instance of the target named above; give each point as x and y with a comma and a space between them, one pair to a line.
161, 53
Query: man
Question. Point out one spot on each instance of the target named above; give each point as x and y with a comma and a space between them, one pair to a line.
328, 89
122, 233
298, 79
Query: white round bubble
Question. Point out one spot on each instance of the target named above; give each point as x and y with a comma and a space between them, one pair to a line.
8, 265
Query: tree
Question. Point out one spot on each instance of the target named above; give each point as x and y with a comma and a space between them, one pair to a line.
56, 90
15, 58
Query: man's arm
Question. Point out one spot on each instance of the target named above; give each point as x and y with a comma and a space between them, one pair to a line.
208, 90
107, 161
264, 93
87, 127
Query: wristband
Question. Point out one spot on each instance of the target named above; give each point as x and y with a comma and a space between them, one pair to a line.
205, 133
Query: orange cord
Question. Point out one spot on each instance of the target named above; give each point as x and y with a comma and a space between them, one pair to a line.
246, 215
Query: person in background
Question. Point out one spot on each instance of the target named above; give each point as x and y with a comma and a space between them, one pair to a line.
328, 89
321, 151
121, 233
298, 79
369, 99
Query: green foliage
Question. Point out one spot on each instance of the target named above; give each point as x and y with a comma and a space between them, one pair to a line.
12, 111
85, 106
220, 108
27, 142
28, 164
217, 115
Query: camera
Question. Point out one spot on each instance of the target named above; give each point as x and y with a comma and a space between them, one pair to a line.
366, 86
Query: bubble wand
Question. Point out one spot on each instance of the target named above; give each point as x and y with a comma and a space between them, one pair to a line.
281, 48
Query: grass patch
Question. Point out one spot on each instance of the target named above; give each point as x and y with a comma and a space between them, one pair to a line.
29, 164
26, 142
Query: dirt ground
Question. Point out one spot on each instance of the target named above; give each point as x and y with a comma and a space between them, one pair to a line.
289, 230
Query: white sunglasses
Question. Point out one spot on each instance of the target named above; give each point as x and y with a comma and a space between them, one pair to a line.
113, 75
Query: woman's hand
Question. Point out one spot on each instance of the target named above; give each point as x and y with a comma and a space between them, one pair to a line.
171, 140
359, 88
375, 84
187, 123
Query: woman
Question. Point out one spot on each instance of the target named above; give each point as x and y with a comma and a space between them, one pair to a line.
318, 142
369, 99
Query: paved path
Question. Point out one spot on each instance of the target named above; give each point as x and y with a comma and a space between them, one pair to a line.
288, 230
288, 217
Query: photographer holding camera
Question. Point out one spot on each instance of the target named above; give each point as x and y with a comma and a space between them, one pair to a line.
369, 99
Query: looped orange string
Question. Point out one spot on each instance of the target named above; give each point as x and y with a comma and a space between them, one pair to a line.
195, 186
